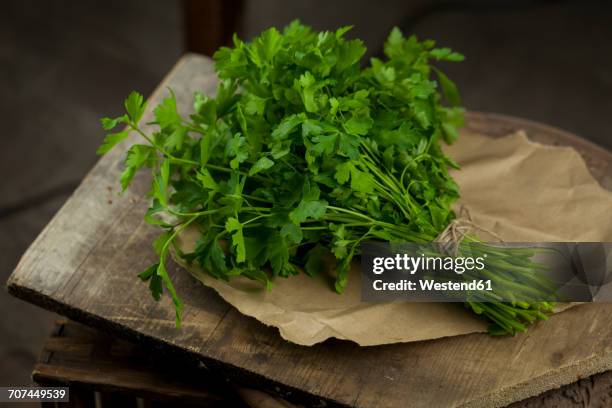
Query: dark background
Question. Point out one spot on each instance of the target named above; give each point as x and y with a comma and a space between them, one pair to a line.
64, 64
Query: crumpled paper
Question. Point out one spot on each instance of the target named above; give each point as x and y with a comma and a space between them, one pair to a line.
520, 190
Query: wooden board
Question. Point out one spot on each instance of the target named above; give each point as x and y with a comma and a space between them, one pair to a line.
83, 265
86, 360
123, 372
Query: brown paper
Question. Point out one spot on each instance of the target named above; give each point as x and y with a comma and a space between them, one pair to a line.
521, 190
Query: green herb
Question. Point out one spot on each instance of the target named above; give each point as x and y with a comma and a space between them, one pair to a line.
303, 153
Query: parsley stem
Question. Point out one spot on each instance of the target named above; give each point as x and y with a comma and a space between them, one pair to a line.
193, 214
163, 273
227, 170
221, 168
161, 149
252, 197
255, 218
257, 208
186, 161
356, 214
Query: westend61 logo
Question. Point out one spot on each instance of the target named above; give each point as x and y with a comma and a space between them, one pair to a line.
487, 272
412, 264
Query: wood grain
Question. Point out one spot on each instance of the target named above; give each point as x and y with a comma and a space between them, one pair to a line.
86, 360
83, 265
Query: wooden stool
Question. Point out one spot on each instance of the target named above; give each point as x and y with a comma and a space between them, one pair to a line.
104, 371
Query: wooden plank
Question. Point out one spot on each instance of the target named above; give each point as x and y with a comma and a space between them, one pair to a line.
112, 365
80, 357
83, 265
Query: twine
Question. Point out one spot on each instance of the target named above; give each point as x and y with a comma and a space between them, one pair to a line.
449, 239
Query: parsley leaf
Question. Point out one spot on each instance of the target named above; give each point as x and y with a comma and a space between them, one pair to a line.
135, 106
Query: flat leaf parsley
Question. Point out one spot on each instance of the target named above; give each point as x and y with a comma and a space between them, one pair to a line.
303, 154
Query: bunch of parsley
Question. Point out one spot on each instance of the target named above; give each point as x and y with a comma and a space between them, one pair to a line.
301, 154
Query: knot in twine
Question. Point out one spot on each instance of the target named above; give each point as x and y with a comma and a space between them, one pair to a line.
449, 239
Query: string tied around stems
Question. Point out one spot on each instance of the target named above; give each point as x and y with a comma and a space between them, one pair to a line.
449, 239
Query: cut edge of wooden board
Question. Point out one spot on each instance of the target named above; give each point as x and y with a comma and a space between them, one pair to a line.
554, 379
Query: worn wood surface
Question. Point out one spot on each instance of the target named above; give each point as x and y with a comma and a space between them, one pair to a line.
88, 361
83, 265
